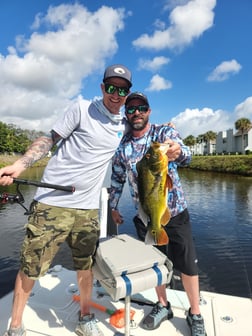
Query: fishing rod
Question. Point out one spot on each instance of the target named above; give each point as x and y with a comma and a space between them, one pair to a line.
44, 185
18, 197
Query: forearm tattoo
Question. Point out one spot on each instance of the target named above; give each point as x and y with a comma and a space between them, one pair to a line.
38, 150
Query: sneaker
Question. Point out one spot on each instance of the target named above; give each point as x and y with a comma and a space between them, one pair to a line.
196, 324
87, 326
15, 331
158, 314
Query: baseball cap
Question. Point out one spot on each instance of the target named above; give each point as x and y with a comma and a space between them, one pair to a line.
137, 95
118, 70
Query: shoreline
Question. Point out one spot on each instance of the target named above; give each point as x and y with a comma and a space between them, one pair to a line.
230, 164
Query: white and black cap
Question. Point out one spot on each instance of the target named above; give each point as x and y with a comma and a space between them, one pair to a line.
117, 70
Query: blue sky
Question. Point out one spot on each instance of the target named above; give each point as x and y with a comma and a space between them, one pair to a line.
191, 58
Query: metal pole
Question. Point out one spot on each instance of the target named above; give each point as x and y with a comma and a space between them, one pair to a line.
127, 316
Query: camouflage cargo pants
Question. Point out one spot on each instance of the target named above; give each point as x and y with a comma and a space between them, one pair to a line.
48, 227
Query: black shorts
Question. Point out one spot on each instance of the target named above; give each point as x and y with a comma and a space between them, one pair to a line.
180, 250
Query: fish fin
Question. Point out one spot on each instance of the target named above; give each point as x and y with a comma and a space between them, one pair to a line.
142, 215
150, 239
169, 183
166, 217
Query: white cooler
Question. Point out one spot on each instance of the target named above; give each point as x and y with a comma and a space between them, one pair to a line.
126, 266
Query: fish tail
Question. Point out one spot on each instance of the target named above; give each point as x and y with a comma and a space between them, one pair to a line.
162, 238
156, 238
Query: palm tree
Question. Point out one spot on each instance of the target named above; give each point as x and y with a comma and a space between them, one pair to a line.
210, 135
243, 125
209, 138
190, 141
200, 138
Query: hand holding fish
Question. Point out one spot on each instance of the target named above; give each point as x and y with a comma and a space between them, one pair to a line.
116, 216
173, 151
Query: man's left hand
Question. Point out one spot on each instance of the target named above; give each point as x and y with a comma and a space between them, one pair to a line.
174, 150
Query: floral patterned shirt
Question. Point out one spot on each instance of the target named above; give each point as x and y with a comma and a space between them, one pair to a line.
131, 150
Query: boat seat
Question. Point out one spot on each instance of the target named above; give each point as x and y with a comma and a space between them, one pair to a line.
125, 266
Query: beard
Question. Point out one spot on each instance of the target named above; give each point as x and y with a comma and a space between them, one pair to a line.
138, 126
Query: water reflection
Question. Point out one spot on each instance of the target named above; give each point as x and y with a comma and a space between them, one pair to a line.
221, 214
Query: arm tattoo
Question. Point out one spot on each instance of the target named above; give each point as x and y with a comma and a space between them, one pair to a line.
38, 150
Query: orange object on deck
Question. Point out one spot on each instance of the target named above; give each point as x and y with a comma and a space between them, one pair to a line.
117, 317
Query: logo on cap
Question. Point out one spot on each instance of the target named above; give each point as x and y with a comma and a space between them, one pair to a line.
119, 71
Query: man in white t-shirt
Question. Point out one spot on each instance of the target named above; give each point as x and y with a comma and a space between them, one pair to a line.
87, 136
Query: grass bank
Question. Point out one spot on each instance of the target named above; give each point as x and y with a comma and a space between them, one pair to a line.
232, 164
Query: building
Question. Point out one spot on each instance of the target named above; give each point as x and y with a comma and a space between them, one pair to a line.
227, 142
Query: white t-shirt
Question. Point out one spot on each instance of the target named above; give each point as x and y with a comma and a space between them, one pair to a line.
89, 141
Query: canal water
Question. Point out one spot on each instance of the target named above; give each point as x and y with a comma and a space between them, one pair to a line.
220, 207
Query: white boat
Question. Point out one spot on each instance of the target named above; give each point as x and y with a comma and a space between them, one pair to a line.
53, 308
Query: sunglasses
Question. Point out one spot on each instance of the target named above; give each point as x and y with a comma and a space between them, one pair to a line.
140, 108
110, 89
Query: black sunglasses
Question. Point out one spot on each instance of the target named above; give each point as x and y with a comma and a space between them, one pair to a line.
110, 89
140, 108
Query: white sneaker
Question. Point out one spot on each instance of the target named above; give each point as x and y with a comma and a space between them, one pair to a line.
15, 331
87, 326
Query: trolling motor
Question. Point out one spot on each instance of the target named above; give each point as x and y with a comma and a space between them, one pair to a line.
18, 197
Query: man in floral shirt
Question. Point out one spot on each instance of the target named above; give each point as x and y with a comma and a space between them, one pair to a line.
180, 250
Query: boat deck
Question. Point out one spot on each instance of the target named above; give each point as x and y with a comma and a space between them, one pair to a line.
52, 311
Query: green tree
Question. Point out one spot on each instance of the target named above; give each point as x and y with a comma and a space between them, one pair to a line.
200, 138
190, 141
209, 138
13, 139
243, 125
3, 138
21, 144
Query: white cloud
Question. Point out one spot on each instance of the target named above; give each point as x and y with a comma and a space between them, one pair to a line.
153, 65
187, 23
158, 83
43, 72
224, 70
195, 121
244, 109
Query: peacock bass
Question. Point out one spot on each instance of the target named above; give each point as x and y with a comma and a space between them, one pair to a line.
153, 185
